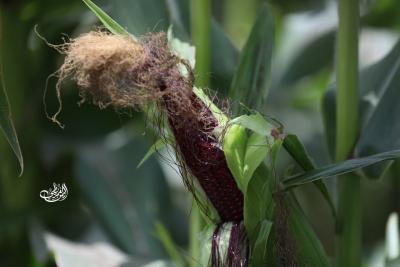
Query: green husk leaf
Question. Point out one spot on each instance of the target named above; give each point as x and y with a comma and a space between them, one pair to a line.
234, 145
254, 122
260, 246
171, 248
244, 151
308, 248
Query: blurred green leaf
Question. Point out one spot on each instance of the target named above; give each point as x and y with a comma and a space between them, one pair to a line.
108, 22
290, 6
378, 109
329, 117
313, 57
339, 168
117, 193
7, 126
393, 263
252, 77
382, 130
224, 59
141, 17
298, 152
169, 245
158, 263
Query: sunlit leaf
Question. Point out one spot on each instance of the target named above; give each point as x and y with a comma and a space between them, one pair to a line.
235, 140
244, 151
254, 122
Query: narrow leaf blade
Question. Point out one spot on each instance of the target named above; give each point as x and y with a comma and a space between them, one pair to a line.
154, 148
108, 22
298, 152
252, 76
7, 126
339, 168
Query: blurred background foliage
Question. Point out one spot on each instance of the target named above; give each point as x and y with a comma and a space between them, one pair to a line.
110, 201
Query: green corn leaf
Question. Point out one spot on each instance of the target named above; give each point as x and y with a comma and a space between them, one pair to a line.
298, 152
313, 57
339, 168
255, 123
114, 191
329, 117
308, 248
252, 76
159, 144
7, 126
224, 58
378, 111
108, 22
382, 130
141, 17
169, 245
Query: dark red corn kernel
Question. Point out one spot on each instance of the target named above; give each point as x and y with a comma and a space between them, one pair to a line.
207, 163
204, 158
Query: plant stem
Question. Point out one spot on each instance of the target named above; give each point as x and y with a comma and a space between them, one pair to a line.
201, 37
349, 190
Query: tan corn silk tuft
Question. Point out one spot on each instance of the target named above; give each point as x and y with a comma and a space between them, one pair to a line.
101, 63
117, 70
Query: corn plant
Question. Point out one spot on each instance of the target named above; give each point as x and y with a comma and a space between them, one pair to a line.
244, 212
